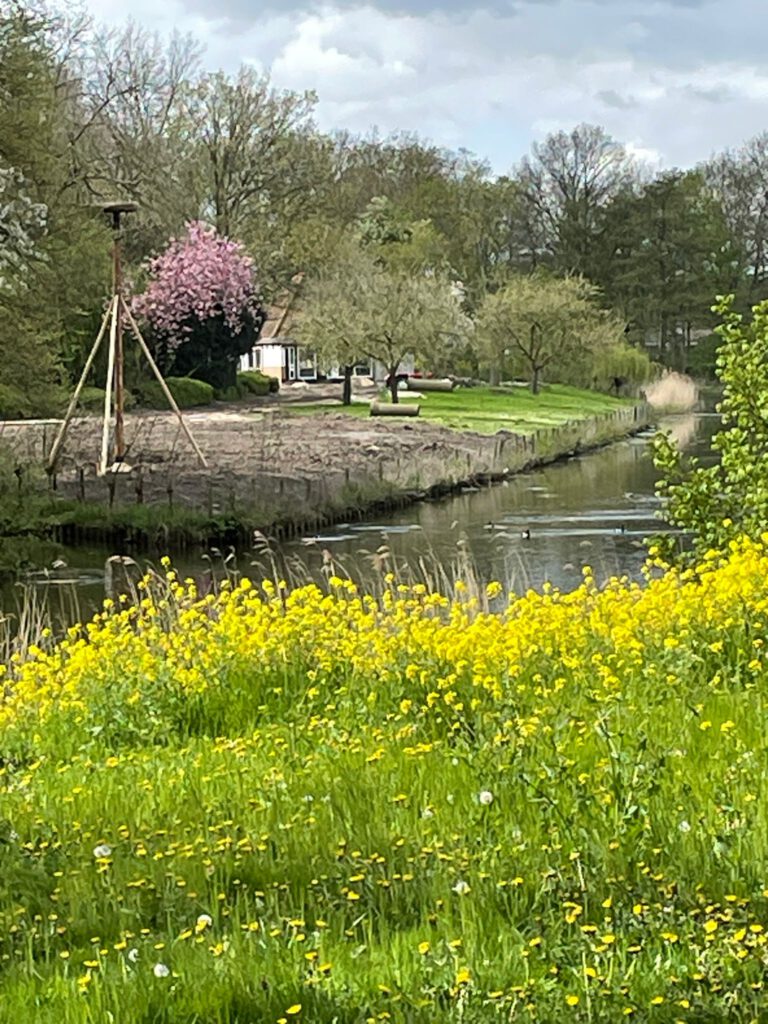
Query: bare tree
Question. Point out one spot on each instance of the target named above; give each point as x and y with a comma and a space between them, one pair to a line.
249, 133
136, 136
566, 185
740, 181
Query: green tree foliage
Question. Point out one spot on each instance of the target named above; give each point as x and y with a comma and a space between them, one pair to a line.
714, 504
53, 250
540, 325
360, 309
398, 243
89, 115
664, 252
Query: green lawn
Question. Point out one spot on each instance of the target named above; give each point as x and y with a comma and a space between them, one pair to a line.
486, 409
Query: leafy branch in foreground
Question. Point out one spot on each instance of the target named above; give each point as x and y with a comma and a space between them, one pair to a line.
717, 503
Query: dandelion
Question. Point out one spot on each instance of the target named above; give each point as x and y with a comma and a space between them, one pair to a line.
203, 921
161, 971
684, 826
133, 955
485, 797
461, 887
102, 851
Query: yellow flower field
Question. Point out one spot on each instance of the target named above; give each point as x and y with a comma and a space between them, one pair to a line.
327, 806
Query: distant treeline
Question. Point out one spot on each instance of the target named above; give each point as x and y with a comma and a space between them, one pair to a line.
88, 115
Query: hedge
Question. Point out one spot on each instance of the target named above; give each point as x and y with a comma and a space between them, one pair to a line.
186, 391
255, 383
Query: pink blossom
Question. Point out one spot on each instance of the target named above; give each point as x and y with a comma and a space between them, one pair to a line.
199, 276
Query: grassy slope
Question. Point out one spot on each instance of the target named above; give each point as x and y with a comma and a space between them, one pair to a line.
340, 811
487, 410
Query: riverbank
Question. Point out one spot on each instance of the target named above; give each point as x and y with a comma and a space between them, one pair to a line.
270, 469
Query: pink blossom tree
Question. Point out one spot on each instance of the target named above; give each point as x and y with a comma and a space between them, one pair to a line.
201, 305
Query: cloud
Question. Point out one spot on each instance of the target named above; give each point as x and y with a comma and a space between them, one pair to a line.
675, 79
243, 10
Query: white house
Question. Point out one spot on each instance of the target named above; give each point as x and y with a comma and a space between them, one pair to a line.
276, 354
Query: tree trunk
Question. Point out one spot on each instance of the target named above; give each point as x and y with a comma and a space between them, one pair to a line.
346, 394
393, 384
535, 381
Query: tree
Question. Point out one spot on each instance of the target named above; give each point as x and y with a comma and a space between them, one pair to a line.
546, 324
53, 251
133, 133
716, 504
664, 252
262, 166
201, 305
739, 180
398, 243
330, 322
359, 309
566, 186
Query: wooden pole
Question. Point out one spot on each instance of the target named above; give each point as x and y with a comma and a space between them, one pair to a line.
62, 432
119, 359
108, 390
166, 390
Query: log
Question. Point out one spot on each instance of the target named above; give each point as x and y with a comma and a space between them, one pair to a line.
389, 409
429, 384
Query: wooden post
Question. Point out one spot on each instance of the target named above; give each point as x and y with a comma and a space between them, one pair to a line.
59, 440
119, 357
166, 390
108, 392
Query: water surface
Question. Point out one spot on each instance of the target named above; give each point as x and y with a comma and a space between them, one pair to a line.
593, 509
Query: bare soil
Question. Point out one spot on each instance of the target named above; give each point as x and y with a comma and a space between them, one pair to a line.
267, 464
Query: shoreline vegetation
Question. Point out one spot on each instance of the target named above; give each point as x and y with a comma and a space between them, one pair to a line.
286, 472
326, 806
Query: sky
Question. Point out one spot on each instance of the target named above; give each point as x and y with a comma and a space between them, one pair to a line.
674, 80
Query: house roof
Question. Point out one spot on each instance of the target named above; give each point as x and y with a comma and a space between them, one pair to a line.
281, 316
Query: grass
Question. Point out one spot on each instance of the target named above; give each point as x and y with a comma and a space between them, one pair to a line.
337, 808
486, 409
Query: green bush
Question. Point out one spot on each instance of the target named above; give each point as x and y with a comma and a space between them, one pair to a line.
234, 393
256, 383
186, 391
92, 399
14, 405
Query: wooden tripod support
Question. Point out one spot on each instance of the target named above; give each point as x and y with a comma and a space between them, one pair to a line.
113, 319
117, 313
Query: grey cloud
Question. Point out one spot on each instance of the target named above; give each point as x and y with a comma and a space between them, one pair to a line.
246, 12
717, 94
611, 98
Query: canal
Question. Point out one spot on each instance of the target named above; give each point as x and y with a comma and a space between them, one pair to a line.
593, 509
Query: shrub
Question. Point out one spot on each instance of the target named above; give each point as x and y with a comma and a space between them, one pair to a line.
14, 404
186, 392
712, 505
233, 393
48, 400
256, 383
92, 399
